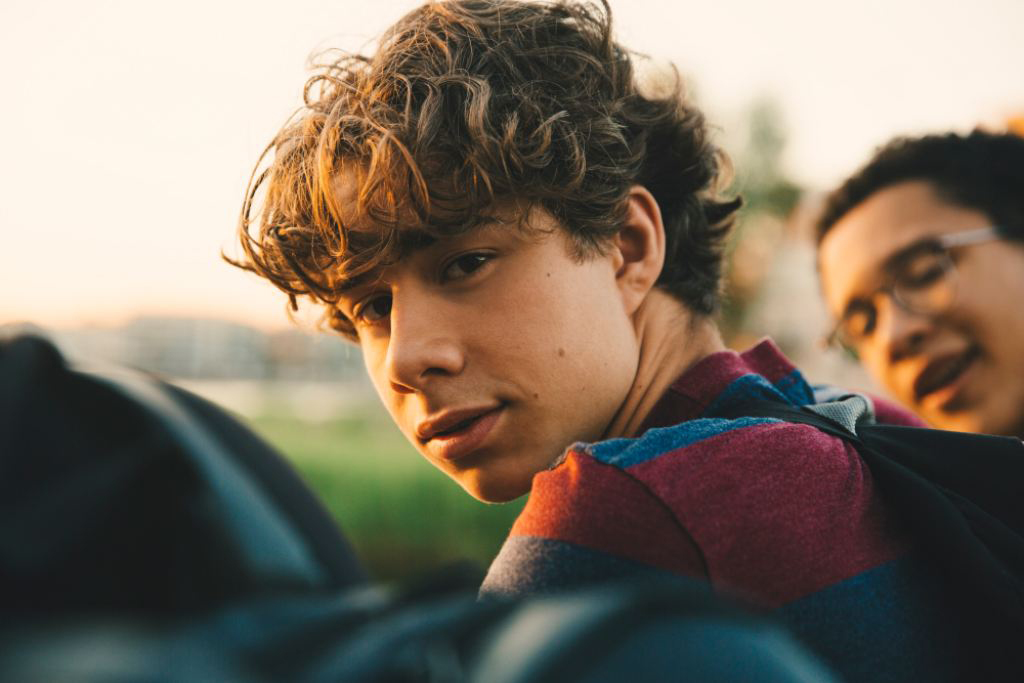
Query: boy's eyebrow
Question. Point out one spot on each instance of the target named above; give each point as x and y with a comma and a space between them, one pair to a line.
895, 259
891, 263
416, 240
409, 243
346, 285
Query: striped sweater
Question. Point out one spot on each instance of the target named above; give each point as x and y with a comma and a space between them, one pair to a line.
780, 514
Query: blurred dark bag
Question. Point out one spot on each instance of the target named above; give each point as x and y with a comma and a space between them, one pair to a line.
642, 631
121, 493
147, 536
960, 496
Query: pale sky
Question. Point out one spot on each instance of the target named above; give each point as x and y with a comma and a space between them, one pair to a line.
131, 126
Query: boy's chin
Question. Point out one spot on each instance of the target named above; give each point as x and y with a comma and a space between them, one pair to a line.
493, 489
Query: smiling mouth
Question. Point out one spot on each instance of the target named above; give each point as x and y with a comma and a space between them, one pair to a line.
944, 373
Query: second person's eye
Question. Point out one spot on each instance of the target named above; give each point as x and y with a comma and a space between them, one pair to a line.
924, 271
859, 323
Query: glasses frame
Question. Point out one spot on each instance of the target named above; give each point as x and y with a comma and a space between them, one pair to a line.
945, 242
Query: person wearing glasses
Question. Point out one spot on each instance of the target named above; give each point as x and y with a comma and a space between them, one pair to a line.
921, 258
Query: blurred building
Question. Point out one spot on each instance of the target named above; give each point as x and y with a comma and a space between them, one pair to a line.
205, 349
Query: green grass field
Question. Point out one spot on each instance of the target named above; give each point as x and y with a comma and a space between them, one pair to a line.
404, 517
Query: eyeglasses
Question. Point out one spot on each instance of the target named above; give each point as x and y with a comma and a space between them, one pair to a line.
922, 279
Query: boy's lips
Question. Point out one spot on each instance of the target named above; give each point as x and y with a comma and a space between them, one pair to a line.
941, 376
455, 433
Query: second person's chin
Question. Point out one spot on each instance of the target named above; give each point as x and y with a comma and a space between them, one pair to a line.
961, 421
1010, 424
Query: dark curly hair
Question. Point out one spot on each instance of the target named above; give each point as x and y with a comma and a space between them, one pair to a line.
981, 170
472, 102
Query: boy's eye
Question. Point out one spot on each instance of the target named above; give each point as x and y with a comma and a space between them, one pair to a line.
924, 270
858, 323
374, 309
465, 265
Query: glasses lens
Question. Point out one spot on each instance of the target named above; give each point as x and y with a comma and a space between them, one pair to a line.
926, 283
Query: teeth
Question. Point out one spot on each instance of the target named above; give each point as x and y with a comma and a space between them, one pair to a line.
958, 367
947, 375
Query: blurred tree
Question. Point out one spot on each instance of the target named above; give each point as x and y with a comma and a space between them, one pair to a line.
760, 176
1015, 124
769, 196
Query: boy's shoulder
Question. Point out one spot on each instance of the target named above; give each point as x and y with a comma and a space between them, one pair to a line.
743, 501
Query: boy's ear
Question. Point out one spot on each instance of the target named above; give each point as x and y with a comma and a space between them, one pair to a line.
640, 248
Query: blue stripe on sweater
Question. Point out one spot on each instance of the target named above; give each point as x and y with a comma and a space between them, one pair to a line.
628, 452
661, 440
796, 388
792, 389
891, 623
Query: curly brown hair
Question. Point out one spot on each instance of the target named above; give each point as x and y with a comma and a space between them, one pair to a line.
465, 104
980, 170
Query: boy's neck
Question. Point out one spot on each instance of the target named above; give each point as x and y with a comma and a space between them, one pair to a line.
672, 339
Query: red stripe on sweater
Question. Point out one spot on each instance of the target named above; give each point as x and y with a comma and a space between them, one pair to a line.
779, 511
599, 506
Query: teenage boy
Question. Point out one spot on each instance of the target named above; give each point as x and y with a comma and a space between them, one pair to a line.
527, 247
921, 256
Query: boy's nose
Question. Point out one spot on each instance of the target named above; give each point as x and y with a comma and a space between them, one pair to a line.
901, 331
422, 347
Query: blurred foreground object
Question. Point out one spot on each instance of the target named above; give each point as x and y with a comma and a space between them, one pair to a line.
124, 494
606, 634
147, 536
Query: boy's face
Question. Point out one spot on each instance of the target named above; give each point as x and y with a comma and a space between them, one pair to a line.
960, 368
495, 350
